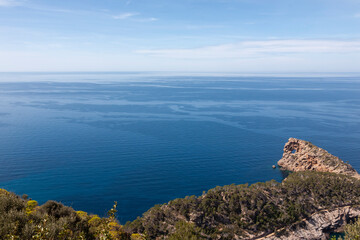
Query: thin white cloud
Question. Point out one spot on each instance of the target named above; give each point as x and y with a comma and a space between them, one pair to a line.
197, 27
131, 15
9, 3
152, 19
357, 15
125, 15
247, 56
43, 8
258, 49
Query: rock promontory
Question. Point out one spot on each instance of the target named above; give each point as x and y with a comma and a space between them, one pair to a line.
300, 155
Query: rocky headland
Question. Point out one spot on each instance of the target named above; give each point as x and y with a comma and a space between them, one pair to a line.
300, 155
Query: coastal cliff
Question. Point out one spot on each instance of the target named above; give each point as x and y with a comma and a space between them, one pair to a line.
300, 155
307, 205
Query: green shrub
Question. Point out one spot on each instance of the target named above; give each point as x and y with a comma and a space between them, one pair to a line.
352, 231
30, 206
185, 230
23, 220
82, 214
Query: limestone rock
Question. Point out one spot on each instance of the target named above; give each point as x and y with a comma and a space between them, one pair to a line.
318, 225
300, 155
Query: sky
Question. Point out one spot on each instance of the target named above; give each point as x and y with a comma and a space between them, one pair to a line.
252, 36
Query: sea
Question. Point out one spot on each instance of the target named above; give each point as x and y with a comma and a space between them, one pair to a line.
89, 139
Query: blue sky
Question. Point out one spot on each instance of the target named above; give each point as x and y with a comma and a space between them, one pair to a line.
252, 36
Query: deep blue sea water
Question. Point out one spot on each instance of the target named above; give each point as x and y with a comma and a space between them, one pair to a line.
88, 140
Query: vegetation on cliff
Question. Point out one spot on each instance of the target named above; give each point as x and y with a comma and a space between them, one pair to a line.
352, 231
228, 212
23, 219
245, 211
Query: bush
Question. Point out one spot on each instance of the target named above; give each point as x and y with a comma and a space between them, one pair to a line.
185, 230
22, 219
352, 231
30, 206
57, 210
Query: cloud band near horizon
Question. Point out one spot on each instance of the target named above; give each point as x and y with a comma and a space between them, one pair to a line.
258, 49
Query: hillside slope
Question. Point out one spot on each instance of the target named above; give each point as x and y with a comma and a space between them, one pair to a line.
251, 212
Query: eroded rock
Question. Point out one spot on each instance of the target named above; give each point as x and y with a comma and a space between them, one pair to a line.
318, 225
300, 155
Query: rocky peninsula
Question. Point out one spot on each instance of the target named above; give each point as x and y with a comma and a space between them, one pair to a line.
300, 155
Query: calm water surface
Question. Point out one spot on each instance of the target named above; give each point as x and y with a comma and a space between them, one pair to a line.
90, 139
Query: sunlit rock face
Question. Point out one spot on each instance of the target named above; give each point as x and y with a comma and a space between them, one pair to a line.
300, 155
319, 225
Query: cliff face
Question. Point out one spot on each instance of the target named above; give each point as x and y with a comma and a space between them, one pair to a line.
318, 225
300, 155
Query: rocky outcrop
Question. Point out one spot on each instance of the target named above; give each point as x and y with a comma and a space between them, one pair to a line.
300, 155
318, 226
